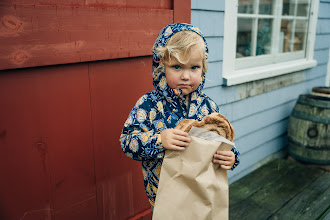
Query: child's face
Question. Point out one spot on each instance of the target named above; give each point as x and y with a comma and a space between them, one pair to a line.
186, 77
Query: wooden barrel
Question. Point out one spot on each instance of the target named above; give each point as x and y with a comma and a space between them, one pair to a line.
321, 91
308, 130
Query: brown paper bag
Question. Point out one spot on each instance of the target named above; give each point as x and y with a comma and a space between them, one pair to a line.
191, 186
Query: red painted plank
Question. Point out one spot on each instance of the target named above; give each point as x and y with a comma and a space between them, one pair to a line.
47, 150
151, 4
46, 2
46, 35
115, 87
182, 11
144, 215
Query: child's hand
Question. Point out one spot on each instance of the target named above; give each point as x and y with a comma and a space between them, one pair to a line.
225, 159
174, 139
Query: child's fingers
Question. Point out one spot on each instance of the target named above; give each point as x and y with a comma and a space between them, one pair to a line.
175, 147
180, 143
223, 157
179, 132
225, 167
226, 153
222, 162
182, 138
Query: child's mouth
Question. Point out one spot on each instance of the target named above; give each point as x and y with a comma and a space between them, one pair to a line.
184, 86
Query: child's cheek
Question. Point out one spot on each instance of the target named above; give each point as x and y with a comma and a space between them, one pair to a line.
196, 83
171, 84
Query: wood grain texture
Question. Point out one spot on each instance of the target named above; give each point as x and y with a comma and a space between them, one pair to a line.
211, 23
160, 4
324, 10
322, 27
182, 12
209, 5
280, 189
45, 2
47, 151
309, 203
47, 35
151, 4
115, 88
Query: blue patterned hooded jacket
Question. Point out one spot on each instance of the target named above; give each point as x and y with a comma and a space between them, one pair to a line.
160, 109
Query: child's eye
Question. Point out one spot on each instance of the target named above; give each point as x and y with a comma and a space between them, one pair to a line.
195, 67
177, 67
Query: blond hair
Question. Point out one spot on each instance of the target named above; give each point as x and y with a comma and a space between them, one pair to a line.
180, 46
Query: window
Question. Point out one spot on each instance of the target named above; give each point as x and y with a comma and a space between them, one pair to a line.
266, 38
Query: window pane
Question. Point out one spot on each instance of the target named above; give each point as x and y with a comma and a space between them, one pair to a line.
244, 33
264, 37
286, 36
245, 6
265, 7
303, 8
288, 7
300, 35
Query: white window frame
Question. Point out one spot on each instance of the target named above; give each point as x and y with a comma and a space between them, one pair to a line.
233, 74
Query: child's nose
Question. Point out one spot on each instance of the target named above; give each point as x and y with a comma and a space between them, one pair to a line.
185, 75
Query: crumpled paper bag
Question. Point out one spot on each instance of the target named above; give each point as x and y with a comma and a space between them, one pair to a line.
191, 186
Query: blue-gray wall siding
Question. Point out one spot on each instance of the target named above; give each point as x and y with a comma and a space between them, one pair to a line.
261, 120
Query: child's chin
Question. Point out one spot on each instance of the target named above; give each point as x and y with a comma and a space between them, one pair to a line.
186, 91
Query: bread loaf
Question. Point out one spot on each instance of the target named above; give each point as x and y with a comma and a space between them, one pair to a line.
214, 122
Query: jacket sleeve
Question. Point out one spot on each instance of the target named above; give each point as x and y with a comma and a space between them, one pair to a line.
140, 138
237, 159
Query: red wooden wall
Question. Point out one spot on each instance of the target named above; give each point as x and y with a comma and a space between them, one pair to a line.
70, 72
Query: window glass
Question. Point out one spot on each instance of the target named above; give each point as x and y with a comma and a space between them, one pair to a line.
289, 7
264, 36
244, 36
287, 31
269, 34
300, 35
265, 7
302, 8
245, 6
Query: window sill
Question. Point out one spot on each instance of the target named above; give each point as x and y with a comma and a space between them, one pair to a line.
268, 71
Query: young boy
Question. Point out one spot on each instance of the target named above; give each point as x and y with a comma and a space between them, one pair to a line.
179, 67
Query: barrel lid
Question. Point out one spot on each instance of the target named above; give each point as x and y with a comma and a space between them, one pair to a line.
313, 100
321, 91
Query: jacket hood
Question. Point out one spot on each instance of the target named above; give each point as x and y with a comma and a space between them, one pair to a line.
158, 69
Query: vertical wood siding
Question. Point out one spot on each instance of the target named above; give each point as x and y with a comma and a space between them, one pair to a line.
259, 111
61, 118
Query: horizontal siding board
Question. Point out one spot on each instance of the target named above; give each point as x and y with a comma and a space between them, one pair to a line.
215, 45
324, 10
323, 26
221, 94
315, 83
48, 35
261, 120
46, 2
211, 23
257, 104
213, 75
321, 56
316, 72
250, 159
225, 95
253, 140
160, 4
322, 41
212, 5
